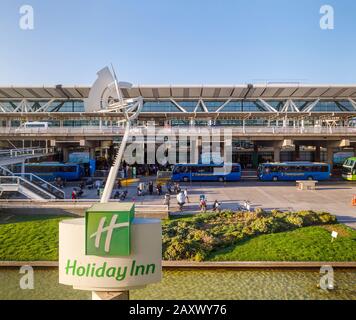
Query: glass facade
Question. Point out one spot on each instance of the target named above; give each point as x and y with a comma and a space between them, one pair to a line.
55, 106
213, 106
325, 106
228, 122
69, 106
233, 106
160, 106
188, 105
157, 111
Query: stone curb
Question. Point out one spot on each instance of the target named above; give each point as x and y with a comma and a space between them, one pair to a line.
210, 264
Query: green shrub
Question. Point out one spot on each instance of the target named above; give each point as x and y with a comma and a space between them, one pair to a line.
196, 237
294, 220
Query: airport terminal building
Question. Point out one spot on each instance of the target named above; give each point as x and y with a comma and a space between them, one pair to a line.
269, 122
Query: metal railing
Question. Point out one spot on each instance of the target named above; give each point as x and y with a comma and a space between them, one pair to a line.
95, 130
43, 184
19, 181
40, 184
12, 153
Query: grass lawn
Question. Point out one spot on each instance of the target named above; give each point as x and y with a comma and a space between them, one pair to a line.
36, 238
304, 244
27, 238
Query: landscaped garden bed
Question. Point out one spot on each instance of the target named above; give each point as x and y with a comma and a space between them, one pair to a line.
254, 236
225, 236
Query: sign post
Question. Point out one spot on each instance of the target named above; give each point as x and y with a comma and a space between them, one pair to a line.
110, 252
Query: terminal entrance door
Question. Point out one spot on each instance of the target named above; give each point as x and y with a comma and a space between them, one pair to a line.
245, 159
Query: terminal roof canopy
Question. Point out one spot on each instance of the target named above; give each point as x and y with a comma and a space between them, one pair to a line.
256, 91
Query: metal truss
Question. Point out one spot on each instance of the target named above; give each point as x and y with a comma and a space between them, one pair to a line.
289, 106
200, 106
353, 103
26, 106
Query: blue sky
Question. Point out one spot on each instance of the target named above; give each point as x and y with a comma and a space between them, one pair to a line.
178, 41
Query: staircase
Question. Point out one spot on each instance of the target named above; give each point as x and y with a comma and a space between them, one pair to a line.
28, 184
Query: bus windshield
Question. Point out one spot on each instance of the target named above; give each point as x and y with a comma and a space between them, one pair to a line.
349, 169
349, 163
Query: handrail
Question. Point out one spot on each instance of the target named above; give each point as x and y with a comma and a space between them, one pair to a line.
6, 170
34, 177
50, 186
116, 129
18, 181
120, 130
26, 151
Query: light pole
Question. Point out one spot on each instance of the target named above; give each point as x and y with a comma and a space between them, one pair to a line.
130, 109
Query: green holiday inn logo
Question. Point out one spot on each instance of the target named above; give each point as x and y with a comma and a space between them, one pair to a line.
108, 229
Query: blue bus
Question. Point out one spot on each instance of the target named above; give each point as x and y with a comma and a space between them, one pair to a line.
206, 172
49, 171
292, 171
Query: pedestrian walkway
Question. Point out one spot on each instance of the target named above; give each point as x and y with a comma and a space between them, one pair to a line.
331, 196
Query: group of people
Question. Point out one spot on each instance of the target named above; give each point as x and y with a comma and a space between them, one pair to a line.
182, 195
59, 182
132, 171
148, 188
78, 192
182, 198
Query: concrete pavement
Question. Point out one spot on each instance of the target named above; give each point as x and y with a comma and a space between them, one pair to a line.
331, 196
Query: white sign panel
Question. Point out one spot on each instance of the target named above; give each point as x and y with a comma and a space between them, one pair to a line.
97, 273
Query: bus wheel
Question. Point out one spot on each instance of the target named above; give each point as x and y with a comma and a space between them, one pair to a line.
275, 178
221, 179
185, 179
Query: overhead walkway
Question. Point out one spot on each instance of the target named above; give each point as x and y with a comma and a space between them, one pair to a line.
29, 185
13, 156
100, 132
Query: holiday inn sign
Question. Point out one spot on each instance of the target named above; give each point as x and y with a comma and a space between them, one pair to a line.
108, 233
110, 249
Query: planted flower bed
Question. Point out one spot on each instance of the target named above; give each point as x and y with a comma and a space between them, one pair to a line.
195, 238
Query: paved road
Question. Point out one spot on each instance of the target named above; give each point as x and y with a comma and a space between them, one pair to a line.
332, 196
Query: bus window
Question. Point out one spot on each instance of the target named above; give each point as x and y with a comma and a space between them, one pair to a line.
193, 169
235, 169
176, 170
205, 169
69, 169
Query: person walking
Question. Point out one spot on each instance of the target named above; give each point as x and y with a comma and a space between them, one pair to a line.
217, 206
159, 189
169, 187
150, 188
142, 188
97, 186
186, 194
181, 200
202, 203
74, 194
167, 199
